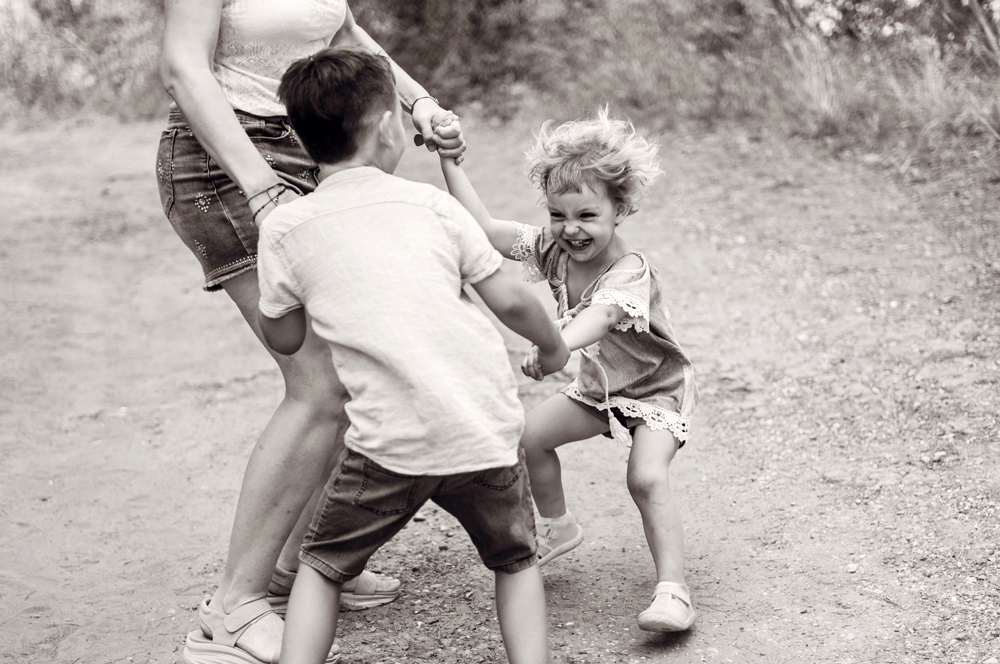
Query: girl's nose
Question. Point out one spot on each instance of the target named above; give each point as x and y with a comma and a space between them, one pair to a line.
570, 229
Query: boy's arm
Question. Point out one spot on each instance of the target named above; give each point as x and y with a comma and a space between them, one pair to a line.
518, 309
285, 334
502, 234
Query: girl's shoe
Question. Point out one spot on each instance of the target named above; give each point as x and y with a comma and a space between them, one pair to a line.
553, 541
670, 611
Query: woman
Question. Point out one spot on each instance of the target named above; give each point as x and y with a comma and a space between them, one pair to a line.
226, 159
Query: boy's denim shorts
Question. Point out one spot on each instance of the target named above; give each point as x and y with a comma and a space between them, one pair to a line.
208, 210
364, 505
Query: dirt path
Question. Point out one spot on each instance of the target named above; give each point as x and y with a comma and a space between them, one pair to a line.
840, 492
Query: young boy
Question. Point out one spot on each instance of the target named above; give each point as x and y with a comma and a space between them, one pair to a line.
378, 263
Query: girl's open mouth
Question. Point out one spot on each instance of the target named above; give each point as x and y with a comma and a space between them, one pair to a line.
579, 245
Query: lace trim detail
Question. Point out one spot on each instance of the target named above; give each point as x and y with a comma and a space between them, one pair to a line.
637, 310
656, 418
524, 251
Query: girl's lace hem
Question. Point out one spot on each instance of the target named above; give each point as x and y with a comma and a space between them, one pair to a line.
656, 418
524, 251
637, 310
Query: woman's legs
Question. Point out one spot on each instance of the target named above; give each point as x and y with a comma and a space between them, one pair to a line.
286, 465
553, 423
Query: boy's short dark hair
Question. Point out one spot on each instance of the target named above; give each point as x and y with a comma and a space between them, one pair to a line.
331, 96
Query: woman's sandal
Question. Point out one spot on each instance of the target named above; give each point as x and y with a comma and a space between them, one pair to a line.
671, 610
365, 591
217, 641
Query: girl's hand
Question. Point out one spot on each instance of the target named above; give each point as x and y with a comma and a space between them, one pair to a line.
531, 366
439, 129
263, 202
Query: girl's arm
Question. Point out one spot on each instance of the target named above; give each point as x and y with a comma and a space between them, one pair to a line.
190, 38
502, 234
421, 105
591, 324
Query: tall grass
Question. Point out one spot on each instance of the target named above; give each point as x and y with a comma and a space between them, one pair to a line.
683, 63
665, 63
62, 57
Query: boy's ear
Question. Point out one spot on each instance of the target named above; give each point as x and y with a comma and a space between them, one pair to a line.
385, 134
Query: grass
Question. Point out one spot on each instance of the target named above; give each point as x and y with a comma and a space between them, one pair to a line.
665, 63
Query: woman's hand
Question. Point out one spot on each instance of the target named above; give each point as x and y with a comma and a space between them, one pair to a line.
263, 202
439, 128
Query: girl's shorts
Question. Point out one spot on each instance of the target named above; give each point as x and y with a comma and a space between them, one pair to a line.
208, 210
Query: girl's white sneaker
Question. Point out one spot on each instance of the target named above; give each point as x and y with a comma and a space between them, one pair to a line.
553, 541
671, 610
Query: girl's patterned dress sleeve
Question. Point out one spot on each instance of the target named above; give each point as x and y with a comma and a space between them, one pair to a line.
630, 290
535, 249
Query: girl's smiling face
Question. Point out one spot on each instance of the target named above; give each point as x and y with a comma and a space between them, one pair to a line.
583, 222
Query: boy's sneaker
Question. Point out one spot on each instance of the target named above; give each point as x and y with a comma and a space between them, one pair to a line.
671, 610
555, 540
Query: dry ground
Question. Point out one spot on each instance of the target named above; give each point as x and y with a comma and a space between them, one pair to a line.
840, 492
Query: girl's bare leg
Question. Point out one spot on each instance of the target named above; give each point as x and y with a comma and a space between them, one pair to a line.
649, 484
285, 467
555, 422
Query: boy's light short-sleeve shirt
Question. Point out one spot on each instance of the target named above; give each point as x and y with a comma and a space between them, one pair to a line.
379, 264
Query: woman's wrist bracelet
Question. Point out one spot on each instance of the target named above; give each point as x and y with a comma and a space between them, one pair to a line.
272, 197
414, 103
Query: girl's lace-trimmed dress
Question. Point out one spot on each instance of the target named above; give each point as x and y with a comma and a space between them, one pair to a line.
638, 368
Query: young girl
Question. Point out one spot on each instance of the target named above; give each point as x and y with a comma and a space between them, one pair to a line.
633, 373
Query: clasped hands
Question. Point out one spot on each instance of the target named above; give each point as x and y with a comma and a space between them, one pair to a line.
537, 364
439, 130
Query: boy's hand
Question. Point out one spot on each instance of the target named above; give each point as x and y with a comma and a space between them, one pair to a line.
538, 364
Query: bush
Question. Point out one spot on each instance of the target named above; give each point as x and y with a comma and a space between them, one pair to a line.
912, 76
67, 56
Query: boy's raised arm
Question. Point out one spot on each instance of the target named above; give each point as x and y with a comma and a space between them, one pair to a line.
516, 307
502, 234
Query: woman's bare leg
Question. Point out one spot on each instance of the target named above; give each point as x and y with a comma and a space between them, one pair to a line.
285, 467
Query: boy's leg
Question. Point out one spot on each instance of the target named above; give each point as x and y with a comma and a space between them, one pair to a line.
521, 612
494, 507
556, 421
311, 622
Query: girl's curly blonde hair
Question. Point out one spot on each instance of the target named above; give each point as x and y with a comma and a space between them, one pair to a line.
601, 151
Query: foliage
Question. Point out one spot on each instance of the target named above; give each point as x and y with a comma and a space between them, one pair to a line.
97, 55
462, 50
911, 76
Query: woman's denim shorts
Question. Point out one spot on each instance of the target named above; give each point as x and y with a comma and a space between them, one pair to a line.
208, 210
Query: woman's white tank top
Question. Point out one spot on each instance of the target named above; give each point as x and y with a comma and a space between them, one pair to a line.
259, 39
